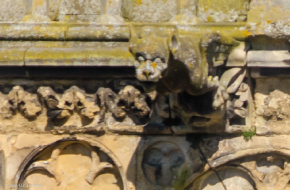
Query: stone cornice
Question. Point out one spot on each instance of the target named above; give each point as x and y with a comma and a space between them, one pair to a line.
60, 31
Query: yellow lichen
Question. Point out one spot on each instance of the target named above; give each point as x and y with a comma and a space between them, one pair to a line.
12, 56
38, 3
247, 33
139, 2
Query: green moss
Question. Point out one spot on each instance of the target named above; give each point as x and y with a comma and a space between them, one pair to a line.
249, 134
180, 182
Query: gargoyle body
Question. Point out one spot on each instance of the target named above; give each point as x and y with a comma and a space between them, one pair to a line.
181, 62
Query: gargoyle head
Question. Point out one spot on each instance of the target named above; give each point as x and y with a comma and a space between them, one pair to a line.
151, 51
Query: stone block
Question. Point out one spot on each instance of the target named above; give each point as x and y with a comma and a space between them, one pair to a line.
60, 54
222, 11
12, 56
96, 31
79, 10
12, 10
149, 10
32, 31
268, 59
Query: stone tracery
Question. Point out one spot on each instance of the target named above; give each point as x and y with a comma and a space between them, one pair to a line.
72, 165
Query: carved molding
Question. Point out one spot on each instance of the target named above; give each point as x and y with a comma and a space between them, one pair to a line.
120, 106
75, 109
124, 108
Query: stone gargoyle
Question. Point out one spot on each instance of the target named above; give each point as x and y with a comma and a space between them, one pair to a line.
188, 63
181, 62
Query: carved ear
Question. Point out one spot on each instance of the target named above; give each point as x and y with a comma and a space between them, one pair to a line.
133, 38
133, 33
174, 43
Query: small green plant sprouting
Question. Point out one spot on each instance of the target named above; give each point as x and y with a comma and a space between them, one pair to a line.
249, 134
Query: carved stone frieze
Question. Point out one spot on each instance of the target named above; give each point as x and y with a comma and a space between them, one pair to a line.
73, 99
128, 106
18, 100
72, 108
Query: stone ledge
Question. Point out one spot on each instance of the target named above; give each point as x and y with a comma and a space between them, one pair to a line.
268, 59
78, 57
60, 31
66, 54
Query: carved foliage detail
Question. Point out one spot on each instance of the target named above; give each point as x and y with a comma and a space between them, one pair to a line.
126, 105
234, 92
72, 99
129, 102
19, 100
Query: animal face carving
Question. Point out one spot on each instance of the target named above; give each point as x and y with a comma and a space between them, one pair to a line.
162, 163
175, 63
151, 56
149, 69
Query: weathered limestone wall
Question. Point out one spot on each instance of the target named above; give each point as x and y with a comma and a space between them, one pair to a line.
144, 94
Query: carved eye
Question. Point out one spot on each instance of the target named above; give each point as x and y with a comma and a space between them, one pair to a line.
141, 59
158, 60
136, 64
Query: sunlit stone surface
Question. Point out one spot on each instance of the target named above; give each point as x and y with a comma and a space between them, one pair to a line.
144, 94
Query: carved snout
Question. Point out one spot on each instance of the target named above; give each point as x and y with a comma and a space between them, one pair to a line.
164, 161
147, 73
148, 69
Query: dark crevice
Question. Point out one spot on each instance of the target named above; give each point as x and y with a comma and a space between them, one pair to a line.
205, 160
